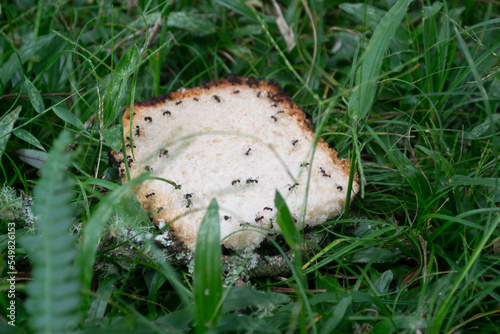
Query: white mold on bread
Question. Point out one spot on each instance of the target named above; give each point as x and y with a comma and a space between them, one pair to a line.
238, 140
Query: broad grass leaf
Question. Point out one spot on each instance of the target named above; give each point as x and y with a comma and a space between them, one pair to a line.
190, 22
397, 324
113, 136
285, 221
381, 285
21, 56
6, 125
68, 117
34, 158
430, 11
208, 271
238, 6
118, 84
479, 130
101, 300
34, 95
28, 137
240, 297
338, 313
361, 100
373, 255
463, 180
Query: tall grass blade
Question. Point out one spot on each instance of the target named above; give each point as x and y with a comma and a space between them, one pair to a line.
34, 95
208, 271
363, 96
6, 125
54, 293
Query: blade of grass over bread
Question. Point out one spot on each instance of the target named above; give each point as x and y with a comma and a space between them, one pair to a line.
208, 271
361, 101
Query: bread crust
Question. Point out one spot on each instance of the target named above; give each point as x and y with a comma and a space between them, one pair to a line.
179, 205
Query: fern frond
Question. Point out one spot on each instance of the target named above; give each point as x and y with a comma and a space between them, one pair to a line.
54, 294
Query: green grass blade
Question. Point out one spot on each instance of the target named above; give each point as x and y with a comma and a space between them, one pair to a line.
34, 95
54, 294
361, 101
208, 271
6, 125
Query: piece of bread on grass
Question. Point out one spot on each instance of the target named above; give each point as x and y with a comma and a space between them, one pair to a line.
238, 140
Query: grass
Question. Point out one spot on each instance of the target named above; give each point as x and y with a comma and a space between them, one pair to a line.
410, 94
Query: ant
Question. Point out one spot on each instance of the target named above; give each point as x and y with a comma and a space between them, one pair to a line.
178, 102
258, 218
164, 152
137, 131
324, 172
248, 151
216, 98
258, 94
250, 180
292, 187
128, 145
304, 164
166, 112
294, 142
274, 118
151, 194
281, 112
235, 181
226, 217
188, 195
274, 105
236, 92
148, 168
268, 208
196, 99
148, 119
340, 188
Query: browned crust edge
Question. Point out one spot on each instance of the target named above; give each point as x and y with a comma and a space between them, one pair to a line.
275, 94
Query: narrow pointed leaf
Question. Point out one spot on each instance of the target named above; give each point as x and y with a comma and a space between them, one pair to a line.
34, 95
6, 125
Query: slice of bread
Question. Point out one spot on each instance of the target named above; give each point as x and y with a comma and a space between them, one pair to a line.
237, 140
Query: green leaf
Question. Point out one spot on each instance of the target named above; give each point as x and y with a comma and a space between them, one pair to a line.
240, 297
480, 130
208, 271
238, 6
430, 11
34, 158
361, 101
34, 95
463, 180
337, 315
118, 84
373, 255
23, 54
6, 125
113, 136
286, 222
190, 22
28, 137
381, 285
54, 294
68, 117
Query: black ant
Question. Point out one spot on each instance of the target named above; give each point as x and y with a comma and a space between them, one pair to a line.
248, 151
236, 92
226, 217
151, 194
294, 142
340, 188
235, 181
196, 99
258, 94
292, 187
281, 112
148, 119
128, 145
166, 112
258, 218
188, 195
250, 180
216, 98
137, 131
274, 118
178, 102
268, 208
304, 164
274, 105
164, 152
324, 172
148, 168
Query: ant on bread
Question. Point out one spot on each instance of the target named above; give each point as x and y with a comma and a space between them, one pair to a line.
294, 142
178, 102
274, 105
164, 152
258, 94
233, 183
236, 92
250, 180
340, 188
216, 98
148, 119
268, 208
226, 217
281, 112
188, 197
196, 99
259, 218
248, 151
168, 113
275, 119
304, 164
324, 172
150, 194
293, 186
137, 131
